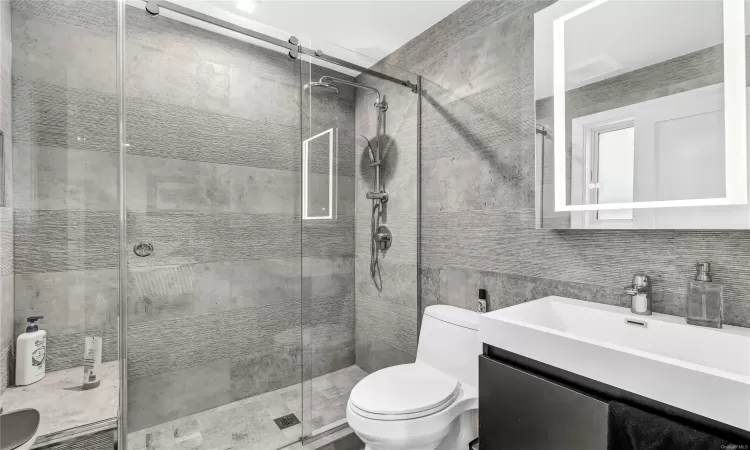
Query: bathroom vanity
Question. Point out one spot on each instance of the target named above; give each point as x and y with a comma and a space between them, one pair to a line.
551, 367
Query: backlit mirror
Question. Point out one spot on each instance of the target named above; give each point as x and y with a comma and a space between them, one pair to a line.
317, 176
641, 114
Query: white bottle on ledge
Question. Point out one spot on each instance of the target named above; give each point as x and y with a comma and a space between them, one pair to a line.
31, 353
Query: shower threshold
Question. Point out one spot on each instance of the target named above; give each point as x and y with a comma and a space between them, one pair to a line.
248, 424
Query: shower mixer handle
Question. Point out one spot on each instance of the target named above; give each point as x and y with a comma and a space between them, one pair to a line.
383, 237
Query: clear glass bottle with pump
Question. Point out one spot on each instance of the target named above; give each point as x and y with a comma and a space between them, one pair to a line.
705, 299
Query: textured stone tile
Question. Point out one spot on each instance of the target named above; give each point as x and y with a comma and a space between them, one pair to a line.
70, 301
737, 313
404, 230
373, 354
178, 237
177, 393
222, 139
176, 291
50, 241
479, 123
265, 191
6, 367
6, 242
53, 178
7, 311
170, 344
161, 184
54, 116
328, 237
261, 236
66, 350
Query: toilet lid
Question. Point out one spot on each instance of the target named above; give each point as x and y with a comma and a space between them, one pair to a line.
404, 389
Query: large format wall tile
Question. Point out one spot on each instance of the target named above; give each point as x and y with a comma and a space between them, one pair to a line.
394, 325
265, 191
374, 354
162, 184
55, 178
70, 301
177, 393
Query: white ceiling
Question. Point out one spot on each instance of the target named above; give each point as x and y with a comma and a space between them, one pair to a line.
359, 31
621, 36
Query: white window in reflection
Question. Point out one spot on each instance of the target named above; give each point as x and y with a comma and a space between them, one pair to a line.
317, 176
612, 173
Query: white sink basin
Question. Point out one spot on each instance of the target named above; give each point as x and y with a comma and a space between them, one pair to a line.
702, 370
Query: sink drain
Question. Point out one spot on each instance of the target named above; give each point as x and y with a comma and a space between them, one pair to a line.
286, 421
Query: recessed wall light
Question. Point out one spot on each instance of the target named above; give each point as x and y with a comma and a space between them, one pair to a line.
246, 5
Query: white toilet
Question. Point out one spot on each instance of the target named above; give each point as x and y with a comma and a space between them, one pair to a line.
431, 404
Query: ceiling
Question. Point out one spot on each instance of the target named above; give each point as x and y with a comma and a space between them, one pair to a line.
620, 36
359, 31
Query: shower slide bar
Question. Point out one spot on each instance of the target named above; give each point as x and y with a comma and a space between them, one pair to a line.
292, 45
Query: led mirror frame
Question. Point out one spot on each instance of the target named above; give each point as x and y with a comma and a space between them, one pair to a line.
735, 115
306, 178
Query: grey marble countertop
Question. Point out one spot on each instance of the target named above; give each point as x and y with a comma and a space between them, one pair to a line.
62, 402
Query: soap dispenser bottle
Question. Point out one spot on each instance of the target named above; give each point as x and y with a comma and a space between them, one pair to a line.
31, 353
705, 299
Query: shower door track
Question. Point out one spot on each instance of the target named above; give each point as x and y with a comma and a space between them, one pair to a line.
292, 45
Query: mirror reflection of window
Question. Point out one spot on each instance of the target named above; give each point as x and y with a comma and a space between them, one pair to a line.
612, 177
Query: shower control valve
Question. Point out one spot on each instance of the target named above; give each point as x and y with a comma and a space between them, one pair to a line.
383, 237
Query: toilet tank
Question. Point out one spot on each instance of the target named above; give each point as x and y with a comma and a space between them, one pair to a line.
449, 342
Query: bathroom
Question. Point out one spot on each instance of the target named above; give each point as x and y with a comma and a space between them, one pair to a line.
247, 220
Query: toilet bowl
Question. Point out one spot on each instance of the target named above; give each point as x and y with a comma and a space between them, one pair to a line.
430, 404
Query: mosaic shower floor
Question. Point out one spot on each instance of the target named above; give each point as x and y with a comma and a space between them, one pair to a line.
248, 424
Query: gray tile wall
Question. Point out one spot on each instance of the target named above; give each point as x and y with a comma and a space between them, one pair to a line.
213, 183
478, 185
6, 210
386, 309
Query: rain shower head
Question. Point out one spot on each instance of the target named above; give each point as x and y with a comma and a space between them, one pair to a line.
323, 85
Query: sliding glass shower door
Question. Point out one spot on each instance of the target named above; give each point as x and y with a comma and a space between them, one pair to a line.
213, 213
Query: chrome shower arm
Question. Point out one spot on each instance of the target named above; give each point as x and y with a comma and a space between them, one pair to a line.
349, 83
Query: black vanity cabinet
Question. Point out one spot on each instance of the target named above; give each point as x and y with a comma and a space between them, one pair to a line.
519, 410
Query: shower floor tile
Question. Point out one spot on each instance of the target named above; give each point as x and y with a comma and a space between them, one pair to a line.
248, 424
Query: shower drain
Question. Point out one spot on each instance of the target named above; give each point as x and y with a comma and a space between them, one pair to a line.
286, 421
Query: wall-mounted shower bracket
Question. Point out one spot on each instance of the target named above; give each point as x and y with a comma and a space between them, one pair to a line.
383, 237
382, 196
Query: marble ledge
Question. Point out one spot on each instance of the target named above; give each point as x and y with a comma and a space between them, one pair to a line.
63, 404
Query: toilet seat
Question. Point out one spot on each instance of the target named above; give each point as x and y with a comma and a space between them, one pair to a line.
407, 391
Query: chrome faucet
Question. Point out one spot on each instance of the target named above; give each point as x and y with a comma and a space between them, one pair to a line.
640, 295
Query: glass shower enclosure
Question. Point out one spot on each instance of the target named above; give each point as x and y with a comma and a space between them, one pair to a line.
234, 214
253, 300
